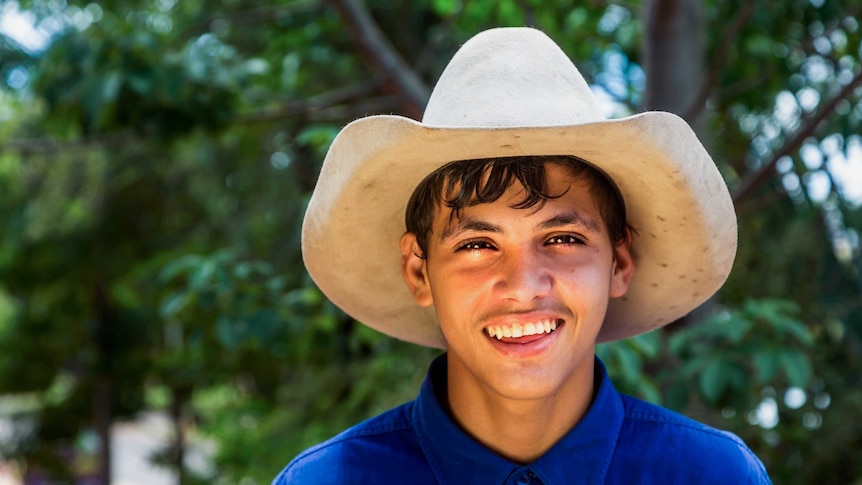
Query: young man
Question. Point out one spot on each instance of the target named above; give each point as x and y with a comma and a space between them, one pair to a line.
527, 228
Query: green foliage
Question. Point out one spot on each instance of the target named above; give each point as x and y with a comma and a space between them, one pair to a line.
155, 168
728, 362
244, 344
626, 361
104, 83
15, 63
737, 352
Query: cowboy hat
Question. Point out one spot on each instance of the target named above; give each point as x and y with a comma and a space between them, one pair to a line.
509, 92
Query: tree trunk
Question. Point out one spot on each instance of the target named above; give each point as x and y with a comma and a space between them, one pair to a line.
409, 87
178, 449
103, 391
674, 57
102, 411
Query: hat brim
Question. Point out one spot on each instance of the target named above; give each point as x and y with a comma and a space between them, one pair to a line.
675, 198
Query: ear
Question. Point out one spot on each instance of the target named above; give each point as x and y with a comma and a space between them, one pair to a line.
414, 270
623, 268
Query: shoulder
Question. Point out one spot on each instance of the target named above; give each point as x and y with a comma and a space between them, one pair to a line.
680, 448
351, 456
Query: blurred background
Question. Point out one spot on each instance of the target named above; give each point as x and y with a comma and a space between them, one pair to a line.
156, 322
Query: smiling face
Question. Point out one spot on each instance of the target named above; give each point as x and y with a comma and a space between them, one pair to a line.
520, 294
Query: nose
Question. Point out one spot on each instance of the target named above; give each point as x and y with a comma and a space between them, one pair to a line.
524, 277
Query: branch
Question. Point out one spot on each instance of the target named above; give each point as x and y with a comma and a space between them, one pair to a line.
412, 90
749, 183
344, 103
312, 111
338, 104
48, 145
719, 60
442, 33
529, 14
631, 6
745, 85
267, 14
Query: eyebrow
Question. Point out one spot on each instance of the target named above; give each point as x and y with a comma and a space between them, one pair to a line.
571, 218
468, 224
465, 224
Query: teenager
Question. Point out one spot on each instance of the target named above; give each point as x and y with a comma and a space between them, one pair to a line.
516, 227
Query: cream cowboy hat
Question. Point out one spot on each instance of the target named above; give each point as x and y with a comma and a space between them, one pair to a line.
508, 92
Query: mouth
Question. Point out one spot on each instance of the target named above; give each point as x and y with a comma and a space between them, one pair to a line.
523, 333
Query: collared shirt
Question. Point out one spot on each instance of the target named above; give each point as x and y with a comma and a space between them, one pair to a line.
620, 440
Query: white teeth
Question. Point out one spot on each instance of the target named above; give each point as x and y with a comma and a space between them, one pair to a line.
517, 330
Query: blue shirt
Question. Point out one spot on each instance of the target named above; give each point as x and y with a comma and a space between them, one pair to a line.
620, 440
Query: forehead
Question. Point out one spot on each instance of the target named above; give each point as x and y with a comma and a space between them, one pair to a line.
571, 203
559, 179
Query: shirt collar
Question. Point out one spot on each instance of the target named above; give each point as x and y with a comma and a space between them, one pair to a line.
456, 457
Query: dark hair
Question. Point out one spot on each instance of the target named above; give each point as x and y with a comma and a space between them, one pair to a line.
466, 183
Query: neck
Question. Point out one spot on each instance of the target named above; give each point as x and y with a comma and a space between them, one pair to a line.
520, 430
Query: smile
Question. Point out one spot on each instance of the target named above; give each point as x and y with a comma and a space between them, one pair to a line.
517, 330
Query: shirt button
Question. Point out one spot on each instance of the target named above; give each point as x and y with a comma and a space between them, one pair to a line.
526, 478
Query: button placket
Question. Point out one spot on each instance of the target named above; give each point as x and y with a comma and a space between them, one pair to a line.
527, 478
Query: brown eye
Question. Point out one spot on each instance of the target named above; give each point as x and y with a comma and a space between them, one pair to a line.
475, 246
566, 239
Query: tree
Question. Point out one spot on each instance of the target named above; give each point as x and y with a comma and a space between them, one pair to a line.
153, 180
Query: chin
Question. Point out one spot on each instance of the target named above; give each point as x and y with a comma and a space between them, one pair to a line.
529, 387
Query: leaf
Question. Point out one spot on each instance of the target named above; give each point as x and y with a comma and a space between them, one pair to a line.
256, 65
649, 391
178, 266
738, 329
677, 396
629, 362
263, 325
796, 366
226, 332
174, 304
445, 8
766, 364
202, 275
140, 83
111, 87
648, 344
676, 343
304, 297
798, 330
759, 45
246, 269
317, 136
713, 380
577, 19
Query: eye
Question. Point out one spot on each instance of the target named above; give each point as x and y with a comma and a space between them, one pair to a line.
566, 239
476, 245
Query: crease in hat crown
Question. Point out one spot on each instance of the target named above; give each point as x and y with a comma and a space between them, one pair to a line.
511, 77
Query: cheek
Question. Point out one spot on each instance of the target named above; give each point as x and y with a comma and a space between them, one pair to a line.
590, 286
455, 296
459, 297
587, 274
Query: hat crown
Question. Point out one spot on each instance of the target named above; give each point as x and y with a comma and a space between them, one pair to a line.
511, 77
